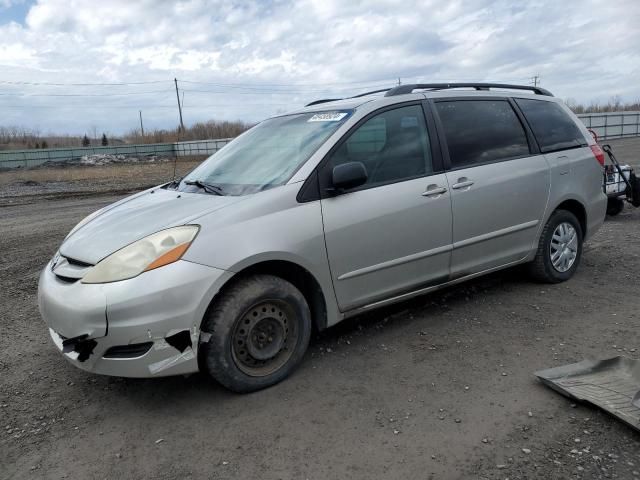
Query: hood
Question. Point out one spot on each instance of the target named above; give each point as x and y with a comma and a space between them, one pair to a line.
135, 218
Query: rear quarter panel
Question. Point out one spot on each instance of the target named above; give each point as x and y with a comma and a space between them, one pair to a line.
582, 181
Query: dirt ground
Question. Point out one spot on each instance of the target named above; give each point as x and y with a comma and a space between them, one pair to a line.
18, 186
438, 387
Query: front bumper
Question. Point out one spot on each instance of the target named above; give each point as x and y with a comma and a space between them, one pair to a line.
163, 307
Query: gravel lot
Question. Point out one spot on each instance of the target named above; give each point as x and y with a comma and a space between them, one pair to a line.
438, 387
19, 186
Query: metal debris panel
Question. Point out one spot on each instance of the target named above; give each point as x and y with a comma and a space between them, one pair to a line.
612, 384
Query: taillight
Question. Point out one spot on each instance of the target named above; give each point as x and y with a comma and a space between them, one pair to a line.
598, 153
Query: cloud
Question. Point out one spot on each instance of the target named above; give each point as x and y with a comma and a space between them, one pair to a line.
10, 3
586, 50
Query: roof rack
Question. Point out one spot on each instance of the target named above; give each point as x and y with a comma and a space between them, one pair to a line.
325, 100
404, 89
370, 93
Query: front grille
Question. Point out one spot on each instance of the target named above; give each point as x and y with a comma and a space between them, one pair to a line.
78, 263
132, 350
66, 279
70, 270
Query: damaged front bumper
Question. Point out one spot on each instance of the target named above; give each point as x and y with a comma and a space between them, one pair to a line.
142, 327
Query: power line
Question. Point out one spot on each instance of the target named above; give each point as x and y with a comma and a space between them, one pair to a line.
238, 85
8, 82
389, 80
137, 106
276, 92
27, 95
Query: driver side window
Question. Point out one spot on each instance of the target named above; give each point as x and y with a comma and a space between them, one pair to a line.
393, 146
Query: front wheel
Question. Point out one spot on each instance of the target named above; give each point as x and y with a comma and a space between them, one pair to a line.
559, 248
255, 334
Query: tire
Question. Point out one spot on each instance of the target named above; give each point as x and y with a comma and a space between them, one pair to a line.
259, 331
542, 268
614, 206
634, 194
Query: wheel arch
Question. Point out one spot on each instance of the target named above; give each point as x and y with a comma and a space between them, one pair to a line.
577, 208
294, 273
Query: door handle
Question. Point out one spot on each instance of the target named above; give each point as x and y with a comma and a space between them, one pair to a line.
433, 190
462, 183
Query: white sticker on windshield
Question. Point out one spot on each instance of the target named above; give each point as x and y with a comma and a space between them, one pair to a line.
328, 117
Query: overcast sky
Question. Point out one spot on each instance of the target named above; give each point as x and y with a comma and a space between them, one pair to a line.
256, 59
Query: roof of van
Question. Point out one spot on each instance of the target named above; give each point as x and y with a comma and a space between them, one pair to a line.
433, 90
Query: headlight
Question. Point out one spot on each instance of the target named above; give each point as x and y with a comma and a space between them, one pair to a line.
156, 250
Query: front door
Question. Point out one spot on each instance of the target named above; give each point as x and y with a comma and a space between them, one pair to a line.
392, 234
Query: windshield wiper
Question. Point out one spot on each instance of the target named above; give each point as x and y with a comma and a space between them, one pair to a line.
207, 187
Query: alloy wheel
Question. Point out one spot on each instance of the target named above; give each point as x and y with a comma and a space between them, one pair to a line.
563, 249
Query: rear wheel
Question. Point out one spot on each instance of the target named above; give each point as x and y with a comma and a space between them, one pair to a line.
633, 194
259, 331
559, 248
614, 206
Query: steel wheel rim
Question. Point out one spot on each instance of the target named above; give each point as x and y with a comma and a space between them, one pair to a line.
264, 338
563, 249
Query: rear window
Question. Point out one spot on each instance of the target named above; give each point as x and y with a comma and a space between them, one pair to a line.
553, 128
481, 131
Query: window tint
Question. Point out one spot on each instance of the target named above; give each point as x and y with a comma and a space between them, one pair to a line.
481, 131
553, 128
393, 146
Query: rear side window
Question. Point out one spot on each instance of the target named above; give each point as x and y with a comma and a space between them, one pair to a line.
553, 128
481, 131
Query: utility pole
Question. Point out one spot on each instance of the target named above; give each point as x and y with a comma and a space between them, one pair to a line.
179, 105
536, 80
141, 126
399, 82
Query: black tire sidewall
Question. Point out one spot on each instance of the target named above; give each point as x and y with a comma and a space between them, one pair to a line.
217, 356
614, 206
556, 219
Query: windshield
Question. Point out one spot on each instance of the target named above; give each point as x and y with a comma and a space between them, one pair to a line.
265, 156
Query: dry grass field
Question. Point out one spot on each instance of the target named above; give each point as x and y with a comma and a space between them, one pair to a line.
20, 185
121, 172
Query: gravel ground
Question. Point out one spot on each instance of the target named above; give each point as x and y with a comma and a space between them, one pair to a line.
20, 186
438, 387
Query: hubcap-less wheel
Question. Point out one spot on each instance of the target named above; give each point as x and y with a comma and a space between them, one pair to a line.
564, 247
264, 338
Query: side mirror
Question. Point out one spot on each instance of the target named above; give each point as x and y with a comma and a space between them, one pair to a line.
349, 175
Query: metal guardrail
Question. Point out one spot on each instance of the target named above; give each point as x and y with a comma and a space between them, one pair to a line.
33, 158
608, 125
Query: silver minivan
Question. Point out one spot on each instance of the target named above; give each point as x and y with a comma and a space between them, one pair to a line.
318, 215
